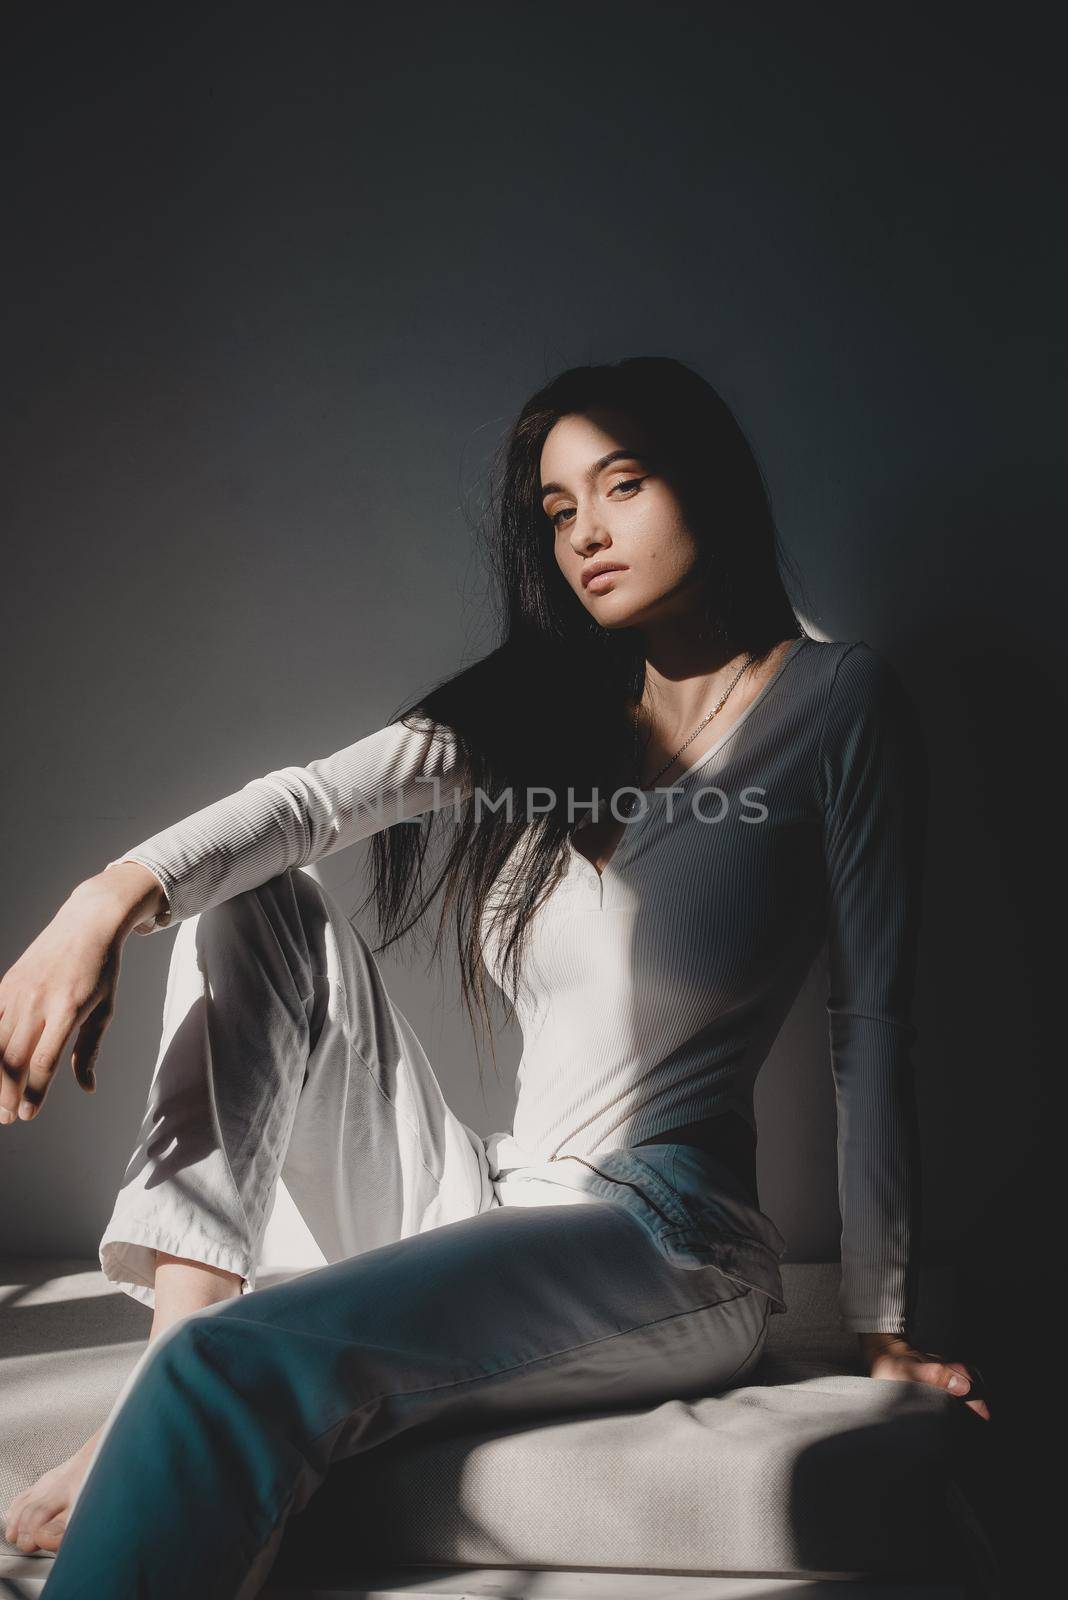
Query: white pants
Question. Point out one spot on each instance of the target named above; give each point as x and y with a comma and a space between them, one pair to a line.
294, 1119
284, 1058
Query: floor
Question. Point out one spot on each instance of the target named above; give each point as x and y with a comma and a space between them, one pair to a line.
21, 1579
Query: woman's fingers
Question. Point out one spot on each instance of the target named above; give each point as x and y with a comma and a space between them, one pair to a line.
951, 1375
17, 1049
924, 1366
87, 1046
29, 1058
62, 987
43, 1061
954, 1377
973, 1380
32, 1046
9, 1092
9, 1078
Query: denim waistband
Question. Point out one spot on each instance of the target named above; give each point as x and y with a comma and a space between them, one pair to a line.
690, 1203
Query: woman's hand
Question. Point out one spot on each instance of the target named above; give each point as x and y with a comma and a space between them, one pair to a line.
889, 1355
62, 988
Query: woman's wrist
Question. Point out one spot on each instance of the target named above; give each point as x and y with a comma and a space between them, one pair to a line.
125, 893
881, 1341
876, 1344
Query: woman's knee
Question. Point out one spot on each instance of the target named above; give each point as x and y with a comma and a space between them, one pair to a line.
228, 1362
249, 907
282, 919
290, 938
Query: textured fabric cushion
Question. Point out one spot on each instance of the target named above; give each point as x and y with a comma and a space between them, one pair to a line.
810, 1467
829, 1474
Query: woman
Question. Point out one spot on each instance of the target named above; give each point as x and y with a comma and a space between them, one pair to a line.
664, 796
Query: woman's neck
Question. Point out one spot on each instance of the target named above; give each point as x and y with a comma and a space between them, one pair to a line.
671, 706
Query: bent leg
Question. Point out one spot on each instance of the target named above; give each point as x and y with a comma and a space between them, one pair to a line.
286, 1077
293, 1119
375, 1152
513, 1312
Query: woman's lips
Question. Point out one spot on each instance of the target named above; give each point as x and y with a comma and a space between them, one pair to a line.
604, 580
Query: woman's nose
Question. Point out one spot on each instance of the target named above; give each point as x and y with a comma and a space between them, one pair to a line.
588, 534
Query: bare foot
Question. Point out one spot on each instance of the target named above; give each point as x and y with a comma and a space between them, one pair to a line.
37, 1518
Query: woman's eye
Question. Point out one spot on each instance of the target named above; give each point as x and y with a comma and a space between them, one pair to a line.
626, 483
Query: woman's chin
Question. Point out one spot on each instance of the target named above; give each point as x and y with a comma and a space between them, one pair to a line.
613, 611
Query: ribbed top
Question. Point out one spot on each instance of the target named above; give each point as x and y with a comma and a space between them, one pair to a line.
651, 993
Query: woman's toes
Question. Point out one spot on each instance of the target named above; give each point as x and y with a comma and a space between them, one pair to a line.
31, 1522
38, 1516
50, 1536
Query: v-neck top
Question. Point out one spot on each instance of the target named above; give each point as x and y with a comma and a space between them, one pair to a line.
651, 992
649, 797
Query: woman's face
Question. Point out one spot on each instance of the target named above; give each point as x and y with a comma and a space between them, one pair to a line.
606, 503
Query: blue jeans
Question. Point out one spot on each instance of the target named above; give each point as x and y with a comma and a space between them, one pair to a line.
503, 1292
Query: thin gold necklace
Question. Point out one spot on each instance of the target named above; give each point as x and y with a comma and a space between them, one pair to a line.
630, 801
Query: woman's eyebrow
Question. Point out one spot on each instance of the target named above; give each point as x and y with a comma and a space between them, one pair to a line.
592, 471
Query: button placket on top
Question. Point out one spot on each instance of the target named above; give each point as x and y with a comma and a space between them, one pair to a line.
588, 873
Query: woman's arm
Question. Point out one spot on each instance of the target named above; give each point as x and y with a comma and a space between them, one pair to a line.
876, 780
875, 777
296, 815
60, 993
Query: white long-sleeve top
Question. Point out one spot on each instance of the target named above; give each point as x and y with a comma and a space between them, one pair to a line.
652, 992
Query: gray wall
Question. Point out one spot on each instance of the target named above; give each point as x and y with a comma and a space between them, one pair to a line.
279, 278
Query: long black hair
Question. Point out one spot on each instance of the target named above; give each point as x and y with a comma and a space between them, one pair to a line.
550, 709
